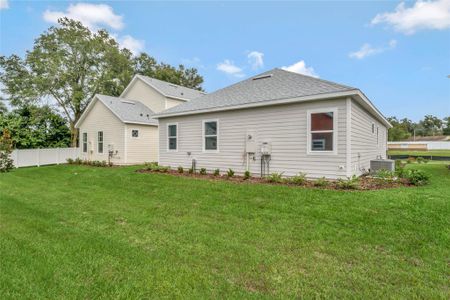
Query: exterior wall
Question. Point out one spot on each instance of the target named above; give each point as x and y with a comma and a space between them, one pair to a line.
100, 118
143, 148
140, 91
173, 102
364, 146
285, 126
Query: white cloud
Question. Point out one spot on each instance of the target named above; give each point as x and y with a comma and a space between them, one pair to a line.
4, 4
91, 15
422, 15
134, 45
301, 68
228, 66
368, 50
255, 58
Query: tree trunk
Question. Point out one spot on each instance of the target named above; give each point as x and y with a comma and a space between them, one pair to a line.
73, 135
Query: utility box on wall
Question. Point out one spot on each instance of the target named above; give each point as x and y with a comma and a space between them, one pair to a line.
250, 143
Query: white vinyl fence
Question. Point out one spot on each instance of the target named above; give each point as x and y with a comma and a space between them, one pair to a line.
42, 157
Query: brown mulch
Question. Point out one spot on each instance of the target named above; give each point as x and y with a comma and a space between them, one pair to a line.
365, 182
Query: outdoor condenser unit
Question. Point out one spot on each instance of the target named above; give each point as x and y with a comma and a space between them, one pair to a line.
382, 164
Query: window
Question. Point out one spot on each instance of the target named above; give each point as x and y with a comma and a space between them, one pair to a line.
321, 131
135, 133
210, 135
172, 136
85, 142
377, 137
100, 142
373, 128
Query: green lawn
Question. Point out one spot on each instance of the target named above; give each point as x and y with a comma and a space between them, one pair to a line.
420, 153
88, 233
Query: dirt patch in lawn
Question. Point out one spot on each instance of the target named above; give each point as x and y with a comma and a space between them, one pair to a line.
363, 183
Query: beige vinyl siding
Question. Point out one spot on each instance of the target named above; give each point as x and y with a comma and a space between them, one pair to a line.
143, 148
100, 118
364, 145
283, 125
170, 102
148, 96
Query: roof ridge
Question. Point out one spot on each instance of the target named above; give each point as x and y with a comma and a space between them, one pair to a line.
315, 78
170, 83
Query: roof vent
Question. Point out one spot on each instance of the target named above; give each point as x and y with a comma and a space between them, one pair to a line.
182, 93
127, 102
173, 85
141, 114
263, 76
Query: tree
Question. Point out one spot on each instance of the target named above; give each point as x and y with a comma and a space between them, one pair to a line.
3, 108
431, 125
399, 130
148, 66
36, 127
446, 129
6, 163
69, 64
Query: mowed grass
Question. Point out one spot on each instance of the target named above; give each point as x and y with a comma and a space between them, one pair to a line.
420, 153
92, 233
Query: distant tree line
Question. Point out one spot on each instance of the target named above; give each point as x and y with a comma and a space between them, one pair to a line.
429, 126
67, 66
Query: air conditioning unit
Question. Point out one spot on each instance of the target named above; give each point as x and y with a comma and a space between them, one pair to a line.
382, 164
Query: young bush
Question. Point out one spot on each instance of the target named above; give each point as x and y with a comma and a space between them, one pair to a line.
417, 177
78, 161
191, 171
6, 162
299, 179
247, 175
164, 169
202, 171
420, 159
399, 168
230, 173
321, 182
351, 183
410, 160
275, 178
180, 169
385, 176
216, 172
70, 161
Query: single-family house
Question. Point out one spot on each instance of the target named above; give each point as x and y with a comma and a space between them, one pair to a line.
278, 121
122, 129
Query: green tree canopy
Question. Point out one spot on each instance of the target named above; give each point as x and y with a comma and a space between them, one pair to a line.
69, 64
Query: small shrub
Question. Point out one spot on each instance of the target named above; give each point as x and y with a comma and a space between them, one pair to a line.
399, 168
417, 177
164, 169
78, 161
155, 167
180, 169
351, 183
216, 172
410, 160
202, 171
191, 171
70, 161
230, 173
6, 144
247, 175
321, 182
385, 175
420, 159
299, 179
275, 177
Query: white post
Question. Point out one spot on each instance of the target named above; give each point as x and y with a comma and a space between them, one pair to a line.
38, 152
57, 156
15, 157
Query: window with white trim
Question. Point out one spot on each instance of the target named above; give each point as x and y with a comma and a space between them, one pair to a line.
85, 143
373, 128
378, 139
134, 133
210, 135
100, 142
172, 137
321, 131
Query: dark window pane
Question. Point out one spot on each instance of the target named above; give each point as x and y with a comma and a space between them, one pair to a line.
172, 130
211, 143
172, 143
210, 128
322, 141
135, 133
322, 121
100, 147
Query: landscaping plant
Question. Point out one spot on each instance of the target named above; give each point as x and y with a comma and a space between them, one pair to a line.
321, 182
417, 177
180, 169
216, 172
351, 183
299, 179
6, 162
275, 178
202, 171
230, 173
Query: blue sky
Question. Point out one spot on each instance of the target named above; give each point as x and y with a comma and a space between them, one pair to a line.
397, 54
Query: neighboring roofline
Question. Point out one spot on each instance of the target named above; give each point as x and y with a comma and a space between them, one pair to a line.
323, 96
91, 105
138, 76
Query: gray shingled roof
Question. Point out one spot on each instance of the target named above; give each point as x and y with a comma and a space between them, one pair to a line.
129, 111
275, 84
172, 90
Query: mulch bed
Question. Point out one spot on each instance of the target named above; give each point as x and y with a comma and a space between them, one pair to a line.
365, 182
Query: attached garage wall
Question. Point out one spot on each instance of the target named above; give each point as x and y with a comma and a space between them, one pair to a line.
144, 148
